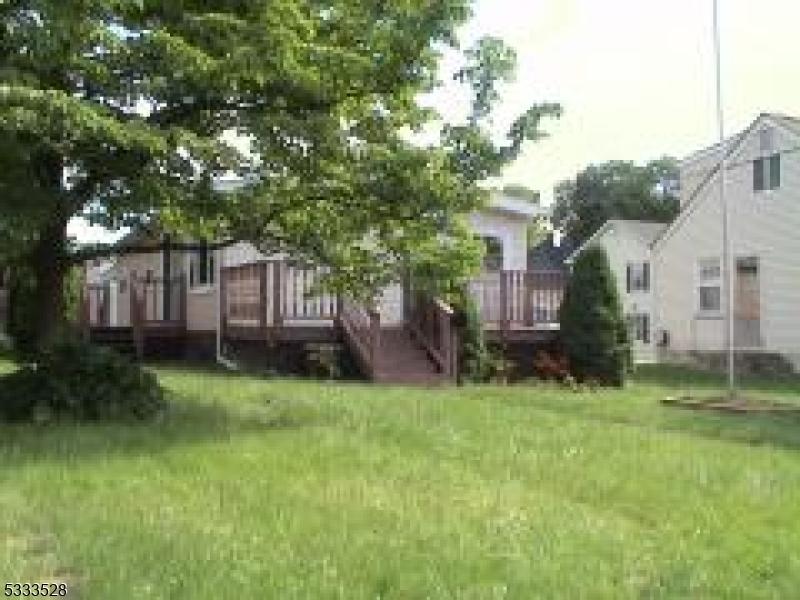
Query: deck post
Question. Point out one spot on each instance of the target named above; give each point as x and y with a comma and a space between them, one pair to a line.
528, 287
504, 317
183, 291
223, 301
277, 293
375, 347
136, 319
262, 298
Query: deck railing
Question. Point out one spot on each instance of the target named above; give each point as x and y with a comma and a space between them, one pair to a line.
362, 330
271, 293
519, 299
161, 301
96, 305
431, 322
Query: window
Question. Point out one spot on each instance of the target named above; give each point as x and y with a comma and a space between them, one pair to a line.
493, 259
638, 279
709, 286
201, 268
639, 324
767, 173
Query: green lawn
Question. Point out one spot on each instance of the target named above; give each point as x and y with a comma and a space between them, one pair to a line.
282, 489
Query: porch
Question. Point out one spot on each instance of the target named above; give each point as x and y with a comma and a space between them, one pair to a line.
275, 301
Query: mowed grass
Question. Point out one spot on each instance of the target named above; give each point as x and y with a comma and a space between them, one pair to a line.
293, 489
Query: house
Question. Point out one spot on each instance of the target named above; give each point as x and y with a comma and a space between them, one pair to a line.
628, 246
222, 300
762, 188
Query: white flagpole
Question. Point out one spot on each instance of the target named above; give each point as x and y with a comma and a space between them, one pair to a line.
726, 220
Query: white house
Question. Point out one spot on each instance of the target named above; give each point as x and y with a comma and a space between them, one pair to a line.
762, 187
208, 295
627, 244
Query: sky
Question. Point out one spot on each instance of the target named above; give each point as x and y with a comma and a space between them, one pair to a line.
635, 77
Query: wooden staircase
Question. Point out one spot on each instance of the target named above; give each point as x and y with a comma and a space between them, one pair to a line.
404, 361
421, 352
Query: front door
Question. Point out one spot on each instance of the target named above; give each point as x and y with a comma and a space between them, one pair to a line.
747, 303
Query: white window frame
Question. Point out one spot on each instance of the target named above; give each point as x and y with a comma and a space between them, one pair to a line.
707, 280
640, 322
766, 167
637, 277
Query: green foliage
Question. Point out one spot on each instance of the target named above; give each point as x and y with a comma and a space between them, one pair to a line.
616, 190
324, 360
142, 105
74, 380
484, 491
23, 309
476, 359
593, 329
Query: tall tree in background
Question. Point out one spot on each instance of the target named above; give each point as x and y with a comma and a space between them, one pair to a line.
123, 111
616, 190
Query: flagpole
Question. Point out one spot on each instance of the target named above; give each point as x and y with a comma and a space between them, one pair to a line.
726, 219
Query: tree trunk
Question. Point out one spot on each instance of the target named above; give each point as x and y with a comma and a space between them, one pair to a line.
50, 267
49, 258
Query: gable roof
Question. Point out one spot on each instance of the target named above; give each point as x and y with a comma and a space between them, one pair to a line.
546, 256
790, 123
645, 231
515, 207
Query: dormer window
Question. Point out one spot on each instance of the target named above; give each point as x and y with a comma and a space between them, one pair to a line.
767, 173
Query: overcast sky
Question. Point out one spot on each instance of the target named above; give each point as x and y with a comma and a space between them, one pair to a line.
635, 77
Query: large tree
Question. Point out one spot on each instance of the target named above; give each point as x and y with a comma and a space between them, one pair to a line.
127, 110
616, 190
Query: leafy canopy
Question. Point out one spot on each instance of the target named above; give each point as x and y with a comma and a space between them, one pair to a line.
616, 190
125, 111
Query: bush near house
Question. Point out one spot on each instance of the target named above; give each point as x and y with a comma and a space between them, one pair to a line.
74, 380
593, 329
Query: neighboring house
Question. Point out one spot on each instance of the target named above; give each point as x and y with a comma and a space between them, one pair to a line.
216, 297
627, 244
762, 188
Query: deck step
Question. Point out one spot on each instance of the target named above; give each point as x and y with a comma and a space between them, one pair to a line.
404, 362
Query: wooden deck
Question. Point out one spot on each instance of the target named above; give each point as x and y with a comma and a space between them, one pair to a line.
276, 301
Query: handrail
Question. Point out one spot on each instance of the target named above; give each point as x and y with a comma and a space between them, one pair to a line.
362, 329
431, 323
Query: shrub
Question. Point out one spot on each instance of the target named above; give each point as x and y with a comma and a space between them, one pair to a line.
476, 364
593, 330
551, 365
74, 380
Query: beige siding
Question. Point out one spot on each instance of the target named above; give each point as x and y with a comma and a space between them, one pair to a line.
623, 246
764, 225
